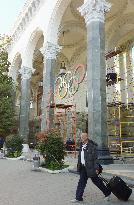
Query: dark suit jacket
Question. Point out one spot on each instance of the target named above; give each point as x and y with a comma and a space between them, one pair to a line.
91, 158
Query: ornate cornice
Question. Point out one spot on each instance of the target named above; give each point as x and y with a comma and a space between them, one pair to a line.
28, 12
50, 50
94, 10
26, 72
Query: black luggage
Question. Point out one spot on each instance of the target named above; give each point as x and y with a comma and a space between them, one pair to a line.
119, 188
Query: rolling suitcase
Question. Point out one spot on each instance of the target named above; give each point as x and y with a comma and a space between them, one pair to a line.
118, 187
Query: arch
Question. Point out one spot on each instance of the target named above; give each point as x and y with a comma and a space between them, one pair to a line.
15, 66
28, 53
16, 59
55, 20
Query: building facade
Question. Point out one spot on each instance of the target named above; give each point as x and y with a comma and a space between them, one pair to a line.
92, 41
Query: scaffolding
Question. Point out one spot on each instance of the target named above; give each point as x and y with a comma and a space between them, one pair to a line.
121, 127
120, 115
64, 118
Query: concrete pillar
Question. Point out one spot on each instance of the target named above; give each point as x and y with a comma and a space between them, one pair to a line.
123, 83
129, 75
49, 52
93, 12
26, 73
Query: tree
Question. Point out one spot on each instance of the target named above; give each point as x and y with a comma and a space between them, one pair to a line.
6, 90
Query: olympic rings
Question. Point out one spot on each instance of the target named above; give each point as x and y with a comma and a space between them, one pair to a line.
69, 83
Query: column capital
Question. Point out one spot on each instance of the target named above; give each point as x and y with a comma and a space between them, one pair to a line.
26, 72
94, 10
50, 50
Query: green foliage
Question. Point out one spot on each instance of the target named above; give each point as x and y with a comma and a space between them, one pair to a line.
56, 166
14, 145
6, 91
41, 142
52, 147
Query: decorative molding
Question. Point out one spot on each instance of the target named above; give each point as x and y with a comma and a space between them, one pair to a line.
26, 72
28, 12
50, 50
94, 10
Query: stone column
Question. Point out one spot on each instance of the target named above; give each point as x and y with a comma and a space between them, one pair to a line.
49, 52
93, 12
25, 103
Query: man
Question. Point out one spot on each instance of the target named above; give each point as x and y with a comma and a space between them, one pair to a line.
88, 168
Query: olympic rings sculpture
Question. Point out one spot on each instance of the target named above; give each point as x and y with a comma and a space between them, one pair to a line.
68, 83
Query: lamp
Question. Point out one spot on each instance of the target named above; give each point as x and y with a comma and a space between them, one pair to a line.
62, 69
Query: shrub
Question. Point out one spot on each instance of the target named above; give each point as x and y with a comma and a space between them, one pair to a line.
51, 145
41, 142
14, 145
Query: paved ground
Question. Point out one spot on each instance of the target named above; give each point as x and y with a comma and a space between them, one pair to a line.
21, 186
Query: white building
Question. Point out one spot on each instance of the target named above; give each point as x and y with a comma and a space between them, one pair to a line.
49, 32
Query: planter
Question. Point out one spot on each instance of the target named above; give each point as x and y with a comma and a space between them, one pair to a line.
65, 170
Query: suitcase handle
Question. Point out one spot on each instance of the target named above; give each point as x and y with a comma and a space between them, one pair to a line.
103, 179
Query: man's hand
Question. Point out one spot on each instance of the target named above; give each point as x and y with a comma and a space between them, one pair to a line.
97, 171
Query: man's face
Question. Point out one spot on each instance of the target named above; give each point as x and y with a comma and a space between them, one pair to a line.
84, 137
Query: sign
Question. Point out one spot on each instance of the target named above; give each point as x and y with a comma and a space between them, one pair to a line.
68, 83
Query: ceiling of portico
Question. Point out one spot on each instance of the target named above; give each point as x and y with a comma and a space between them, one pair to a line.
72, 31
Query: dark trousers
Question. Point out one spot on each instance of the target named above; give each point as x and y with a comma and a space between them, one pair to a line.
83, 181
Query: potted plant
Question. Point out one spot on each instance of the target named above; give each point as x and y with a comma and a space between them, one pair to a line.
50, 144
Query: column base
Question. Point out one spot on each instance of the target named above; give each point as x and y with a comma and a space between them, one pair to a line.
25, 148
26, 152
104, 156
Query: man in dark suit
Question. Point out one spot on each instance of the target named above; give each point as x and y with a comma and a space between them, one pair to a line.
88, 167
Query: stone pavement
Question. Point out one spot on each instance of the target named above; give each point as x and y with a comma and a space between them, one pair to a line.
21, 186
